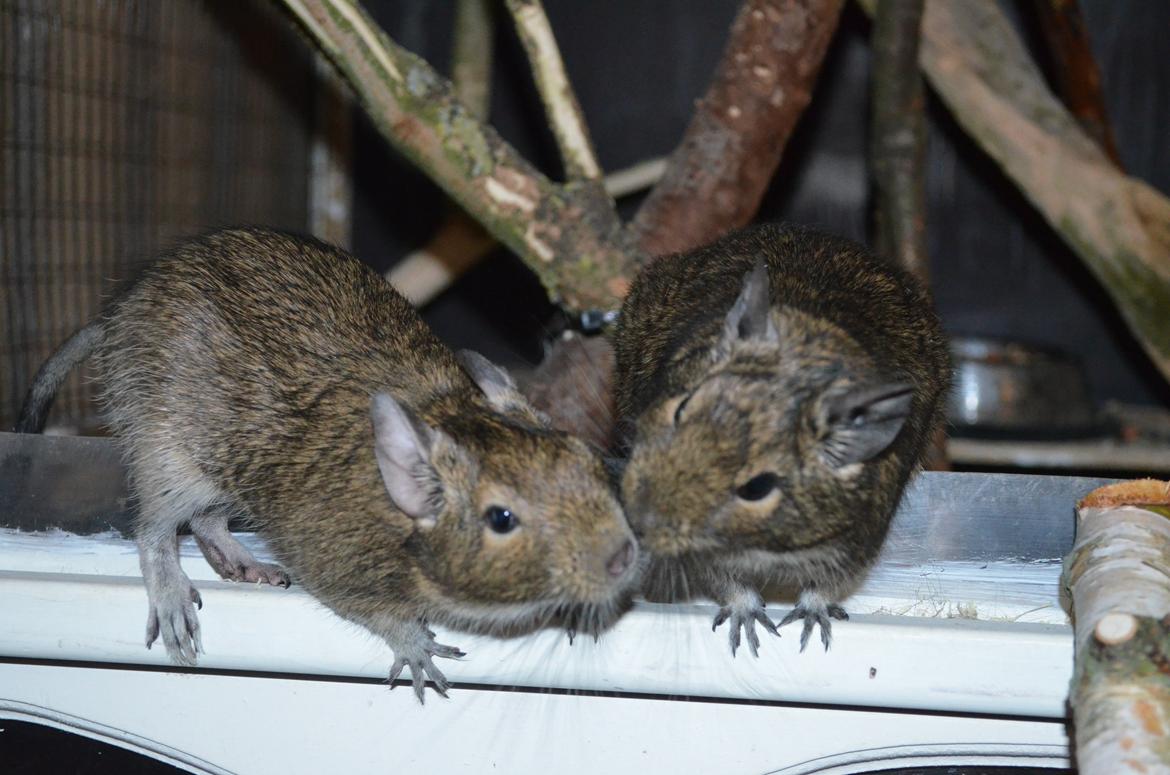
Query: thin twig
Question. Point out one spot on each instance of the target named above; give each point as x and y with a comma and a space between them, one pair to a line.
560, 102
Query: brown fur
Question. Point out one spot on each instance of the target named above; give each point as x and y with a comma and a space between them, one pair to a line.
238, 374
841, 318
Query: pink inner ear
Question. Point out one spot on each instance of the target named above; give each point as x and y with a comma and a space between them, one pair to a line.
402, 454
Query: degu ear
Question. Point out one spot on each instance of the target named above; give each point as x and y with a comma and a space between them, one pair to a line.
749, 317
402, 446
498, 386
859, 423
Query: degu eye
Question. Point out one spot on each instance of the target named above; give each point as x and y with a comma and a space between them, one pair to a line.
758, 487
678, 410
500, 519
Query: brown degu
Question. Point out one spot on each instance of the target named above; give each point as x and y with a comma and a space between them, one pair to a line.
778, 387
256, 375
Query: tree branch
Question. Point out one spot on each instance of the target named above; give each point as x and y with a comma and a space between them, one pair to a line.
1077, 78
560, 102
564, 233
898, 153
460, 243
473, 45
898, 137
1119, 226
722, 167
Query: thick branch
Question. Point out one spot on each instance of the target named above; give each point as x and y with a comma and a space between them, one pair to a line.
727, 157
1077, 78
560, 102
898, 139
1119, 226
563, 233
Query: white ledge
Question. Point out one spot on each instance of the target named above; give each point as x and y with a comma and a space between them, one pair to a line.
75, 599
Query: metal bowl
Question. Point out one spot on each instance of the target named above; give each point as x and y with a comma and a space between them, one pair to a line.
1006, 388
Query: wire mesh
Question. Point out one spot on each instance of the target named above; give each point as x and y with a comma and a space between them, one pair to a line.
125, 125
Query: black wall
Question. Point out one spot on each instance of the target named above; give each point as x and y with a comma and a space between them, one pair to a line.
639, 66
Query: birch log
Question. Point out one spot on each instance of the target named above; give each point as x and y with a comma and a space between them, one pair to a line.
1118, 575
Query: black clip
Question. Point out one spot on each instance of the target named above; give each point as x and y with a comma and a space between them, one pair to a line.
593, 321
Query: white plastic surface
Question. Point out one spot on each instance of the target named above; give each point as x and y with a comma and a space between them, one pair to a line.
80, 599
244, 724
287, 686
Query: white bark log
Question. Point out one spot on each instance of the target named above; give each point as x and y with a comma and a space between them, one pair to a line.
1119, 577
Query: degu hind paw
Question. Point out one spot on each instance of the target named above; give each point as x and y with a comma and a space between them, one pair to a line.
422, 667
745, 618
816, 615
266, 573
253, 571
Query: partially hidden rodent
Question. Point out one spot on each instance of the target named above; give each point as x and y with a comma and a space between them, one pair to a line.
779, 387
273, 378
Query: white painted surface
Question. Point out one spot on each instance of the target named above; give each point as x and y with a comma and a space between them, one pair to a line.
298, 689
995, 590
245, 724
80, 599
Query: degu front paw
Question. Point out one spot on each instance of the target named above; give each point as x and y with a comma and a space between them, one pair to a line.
742, 612
417, 656
172, 617
815, 611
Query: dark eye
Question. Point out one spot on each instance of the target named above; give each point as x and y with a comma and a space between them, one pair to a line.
758, 487
500, 519
679, 409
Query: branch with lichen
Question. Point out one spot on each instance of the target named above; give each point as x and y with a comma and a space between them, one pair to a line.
1118, 225
564, 233
460, 243
1118, 577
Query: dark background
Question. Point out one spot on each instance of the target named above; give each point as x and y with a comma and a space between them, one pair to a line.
638, 67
